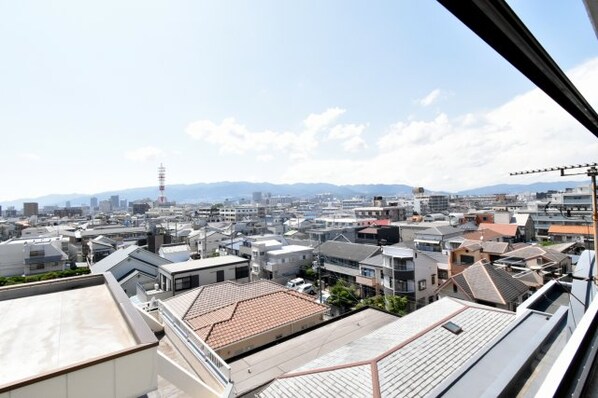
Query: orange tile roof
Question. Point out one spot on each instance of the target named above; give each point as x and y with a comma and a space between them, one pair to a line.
483, 234
249, 317
570, 229
504, 229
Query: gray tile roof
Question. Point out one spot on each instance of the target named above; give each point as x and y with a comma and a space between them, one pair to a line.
440, 231
529, 252
348, 251
482, 281
406, 358
375, 261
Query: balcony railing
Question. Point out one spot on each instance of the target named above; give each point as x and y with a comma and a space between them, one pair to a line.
366, 281
44, 259
216, 365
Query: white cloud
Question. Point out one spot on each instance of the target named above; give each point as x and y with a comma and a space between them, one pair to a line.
354, 144
470, 150
432, 97
233, 137
30, 156
317, 121
144, 154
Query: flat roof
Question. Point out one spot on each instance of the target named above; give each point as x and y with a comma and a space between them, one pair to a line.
51, 326
255, 370
202, 264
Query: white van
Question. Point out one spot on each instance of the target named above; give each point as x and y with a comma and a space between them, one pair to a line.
306, 288
294, 283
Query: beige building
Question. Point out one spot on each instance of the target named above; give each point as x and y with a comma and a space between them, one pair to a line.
74, 337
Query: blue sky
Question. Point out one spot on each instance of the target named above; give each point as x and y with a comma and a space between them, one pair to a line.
95, 95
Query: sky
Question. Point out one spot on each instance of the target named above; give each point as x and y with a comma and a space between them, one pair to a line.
95, 95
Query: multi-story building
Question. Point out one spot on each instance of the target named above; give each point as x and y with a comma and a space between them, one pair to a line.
243, 212
33, 256
409, 273
30, 209
392, 213
272, 260
341, 260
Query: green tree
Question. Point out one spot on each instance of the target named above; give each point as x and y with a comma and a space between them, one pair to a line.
343, 295
395, 304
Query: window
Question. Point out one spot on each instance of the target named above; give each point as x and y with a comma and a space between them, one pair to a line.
421, 285
220, 276
241, 272
455, 289
433, 279
466, 259
182, 283
36, 253
368, 272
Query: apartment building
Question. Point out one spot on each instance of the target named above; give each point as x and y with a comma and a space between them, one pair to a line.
274, 261
33, 256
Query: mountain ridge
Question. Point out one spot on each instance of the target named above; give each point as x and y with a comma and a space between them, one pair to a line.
234, 190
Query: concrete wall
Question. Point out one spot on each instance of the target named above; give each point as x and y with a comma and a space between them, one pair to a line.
127, 376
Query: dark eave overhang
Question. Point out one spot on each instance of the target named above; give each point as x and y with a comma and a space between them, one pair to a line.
498, 25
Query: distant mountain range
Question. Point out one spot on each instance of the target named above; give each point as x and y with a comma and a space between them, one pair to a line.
219, 191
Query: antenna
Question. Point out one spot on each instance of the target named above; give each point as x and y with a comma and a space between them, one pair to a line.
592, 172
161, 182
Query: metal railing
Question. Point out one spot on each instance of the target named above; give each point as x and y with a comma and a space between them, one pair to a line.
216, 365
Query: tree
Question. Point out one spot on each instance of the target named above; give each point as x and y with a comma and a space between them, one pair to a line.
395, 304
343, 295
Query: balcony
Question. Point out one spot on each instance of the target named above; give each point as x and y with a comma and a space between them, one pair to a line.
44, 259
366, 281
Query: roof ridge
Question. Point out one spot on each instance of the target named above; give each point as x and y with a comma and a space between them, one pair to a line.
500, 295
213, 325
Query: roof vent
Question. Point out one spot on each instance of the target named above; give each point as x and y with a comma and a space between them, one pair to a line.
452, 327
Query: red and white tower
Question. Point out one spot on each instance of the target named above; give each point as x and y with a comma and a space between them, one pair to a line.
162, 183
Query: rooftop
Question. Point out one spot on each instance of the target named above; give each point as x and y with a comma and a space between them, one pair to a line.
51, 326
202, 264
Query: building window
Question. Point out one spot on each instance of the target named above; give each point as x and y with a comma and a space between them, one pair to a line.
368, 272
220, 276
467, 259
182, 283
455, 290
421, 285
433, 279
241, 272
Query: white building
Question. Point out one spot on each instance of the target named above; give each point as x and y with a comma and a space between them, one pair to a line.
271, 260
33, 256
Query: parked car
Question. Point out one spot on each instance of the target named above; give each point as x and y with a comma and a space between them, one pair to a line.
294, 283
306, 288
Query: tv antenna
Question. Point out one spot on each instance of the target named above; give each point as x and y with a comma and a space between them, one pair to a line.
592, 172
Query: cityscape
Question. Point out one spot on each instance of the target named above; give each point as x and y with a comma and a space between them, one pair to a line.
446, 253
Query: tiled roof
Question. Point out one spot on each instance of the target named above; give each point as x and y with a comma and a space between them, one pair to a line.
570, 229
493, 285
348, 251
376, 261
483, 235
488, 247
250, 317
529, 252
504, 229
371, 231
406, 358
210, 297
440, 231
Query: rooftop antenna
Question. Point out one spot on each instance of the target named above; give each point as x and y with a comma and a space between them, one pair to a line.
162, 184
592, 172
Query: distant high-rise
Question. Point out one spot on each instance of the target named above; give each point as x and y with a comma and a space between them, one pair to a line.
123, 203
93, 202
114, 202
30, 209
257, 197
162, 184
67, 204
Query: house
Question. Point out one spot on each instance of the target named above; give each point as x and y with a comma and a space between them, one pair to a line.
379, 235
392, 213
572, 233
434, 238
74, 337
131, 266
370, 276
100, 247
510, 232
272, 260
234, 318
525, 224
341, 259
33, 256
175, 252
409, 273
174, 278
408, 357
472, 251
206, 242
535, 265
484, 284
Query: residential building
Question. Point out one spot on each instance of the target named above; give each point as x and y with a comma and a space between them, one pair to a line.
175, 252
74, 337
484, 284
273, 261
341, 260
176, 278
583, 234
392, 213
370, 278
409, 273
435, 238
234, 318
379, 235
438, 203
33, 256
131, 266
510, 232
100, 248
472, 251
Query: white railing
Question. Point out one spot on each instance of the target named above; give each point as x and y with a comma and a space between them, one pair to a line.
198, 347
